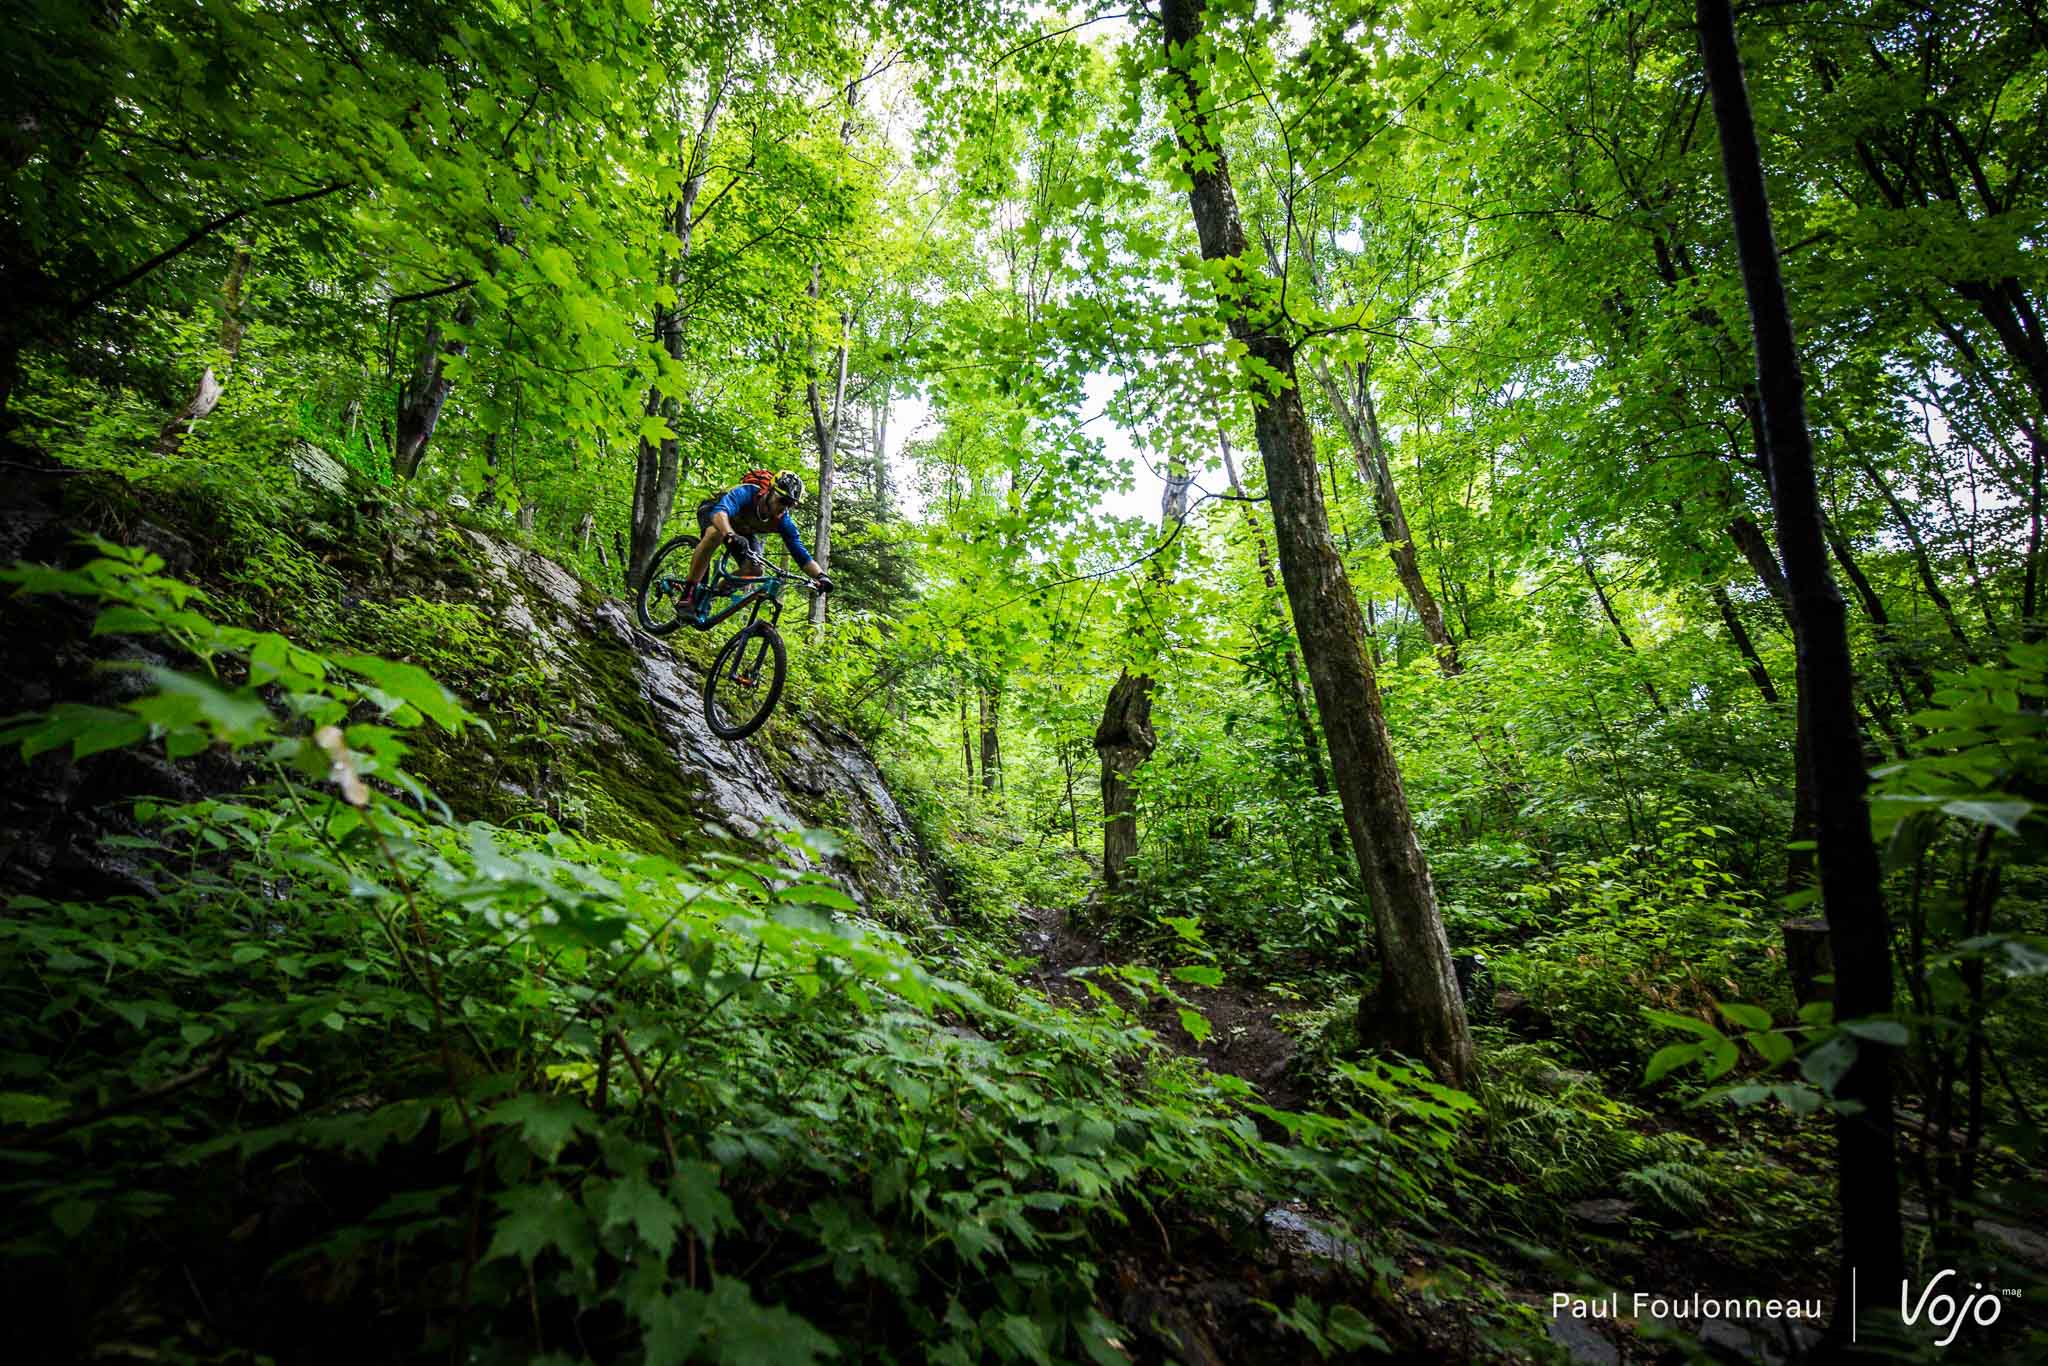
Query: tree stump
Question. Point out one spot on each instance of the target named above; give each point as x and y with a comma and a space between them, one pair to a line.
1808, 958
1123, 741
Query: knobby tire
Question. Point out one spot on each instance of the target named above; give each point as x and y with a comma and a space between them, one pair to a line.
680, 569
735, 650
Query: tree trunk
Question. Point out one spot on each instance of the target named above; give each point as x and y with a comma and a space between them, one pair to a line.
1807, 959
1921, 564
966, 742
1738, 633
487, 496
1297, 699
1073, 810
991, 749
657, 466
1614, 619
826, 434
1898, 660
426, 393
1362, 425
206, 395
1418, 1010
881, 452
1851, 888
1749, 538
1123, 741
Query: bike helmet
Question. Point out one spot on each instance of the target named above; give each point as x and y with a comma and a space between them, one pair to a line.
790, 487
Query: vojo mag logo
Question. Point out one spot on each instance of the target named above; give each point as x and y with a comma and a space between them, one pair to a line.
1947, 1309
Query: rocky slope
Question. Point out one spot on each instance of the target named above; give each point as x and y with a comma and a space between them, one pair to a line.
798, 772
597, 725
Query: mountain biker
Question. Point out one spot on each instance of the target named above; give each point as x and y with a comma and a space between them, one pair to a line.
758, 504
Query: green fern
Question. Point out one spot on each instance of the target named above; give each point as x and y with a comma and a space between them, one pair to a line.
1674, 1187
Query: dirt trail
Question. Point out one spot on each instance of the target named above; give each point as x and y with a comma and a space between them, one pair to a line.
1243, 1039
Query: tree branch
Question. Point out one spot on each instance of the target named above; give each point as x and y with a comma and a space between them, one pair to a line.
198, 235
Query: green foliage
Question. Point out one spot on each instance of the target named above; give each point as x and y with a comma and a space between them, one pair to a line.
633, 1077
1663, 924
600, 246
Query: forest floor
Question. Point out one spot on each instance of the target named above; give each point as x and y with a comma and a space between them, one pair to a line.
1245, 1039
1440, 1277
1205, 1293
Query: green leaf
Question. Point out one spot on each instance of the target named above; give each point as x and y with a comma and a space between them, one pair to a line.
122, 619
750, 1334
410, 684
1747, 1016
21, 1107
538, 1218
73, 1217
1352, 1331
1877, 1031
631, 1200
1775, 1048
704, 1206
2005, 814
235, 718
1689, 1023
1196, 1024
1672, 1056
1199, 975
1825, 1065
546, 1122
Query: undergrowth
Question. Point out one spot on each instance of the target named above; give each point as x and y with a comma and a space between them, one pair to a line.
410, 1084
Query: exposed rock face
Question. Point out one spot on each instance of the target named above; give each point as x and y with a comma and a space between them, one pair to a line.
792, 775
627, 752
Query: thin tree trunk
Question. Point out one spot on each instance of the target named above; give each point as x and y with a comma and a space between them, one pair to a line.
206, 394
657, 466
1362, 426
991, 747
1073, 811
1418, 1010
1297, 699
1743, 644
1123, 740
1614, 619
1898, 661
826, 433
487, 496
2030, 628
1851, 887
966, 742
1921, 563
1749, 538
881, 452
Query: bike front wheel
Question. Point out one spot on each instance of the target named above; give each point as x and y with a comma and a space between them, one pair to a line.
659, 603
745, 682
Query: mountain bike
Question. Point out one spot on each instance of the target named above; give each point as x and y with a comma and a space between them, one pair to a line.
746, 678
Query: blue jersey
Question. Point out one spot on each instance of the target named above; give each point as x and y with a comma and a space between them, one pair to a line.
738, 507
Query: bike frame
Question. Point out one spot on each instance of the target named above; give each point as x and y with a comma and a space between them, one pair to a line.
762, 591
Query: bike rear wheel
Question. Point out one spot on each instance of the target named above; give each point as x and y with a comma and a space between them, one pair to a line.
659, 602
745, 682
